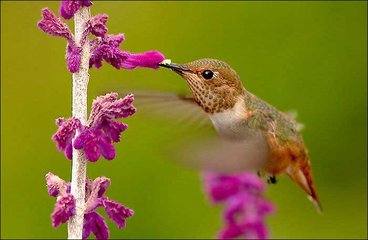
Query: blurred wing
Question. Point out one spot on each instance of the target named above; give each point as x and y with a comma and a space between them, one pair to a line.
178, 109
225, 156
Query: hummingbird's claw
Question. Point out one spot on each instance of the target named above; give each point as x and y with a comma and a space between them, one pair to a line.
272, 180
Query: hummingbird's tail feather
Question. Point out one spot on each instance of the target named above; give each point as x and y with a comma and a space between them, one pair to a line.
301, 173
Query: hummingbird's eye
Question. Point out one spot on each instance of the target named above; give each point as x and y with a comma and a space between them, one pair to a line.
207, 74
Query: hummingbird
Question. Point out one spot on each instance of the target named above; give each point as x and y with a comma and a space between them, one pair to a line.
246, 122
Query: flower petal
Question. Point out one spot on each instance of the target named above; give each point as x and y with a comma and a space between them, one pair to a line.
231, 232
65, 133
69, 7
117, 212
92, 151
55, 185
52, 25
221, 187
149, 59
64, 209
94, 223
106, 148
109, 107
114, 129
73, 57
98, 25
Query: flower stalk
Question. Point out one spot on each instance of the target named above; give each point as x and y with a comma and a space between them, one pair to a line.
79, 111
83, 139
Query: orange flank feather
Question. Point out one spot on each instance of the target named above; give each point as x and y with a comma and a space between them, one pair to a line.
292, 158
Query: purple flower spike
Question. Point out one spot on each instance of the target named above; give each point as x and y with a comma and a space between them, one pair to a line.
69, 7
64, 209
149, 59
52, 25
245, 208
94, 223
73, 57
117, 212
64, 135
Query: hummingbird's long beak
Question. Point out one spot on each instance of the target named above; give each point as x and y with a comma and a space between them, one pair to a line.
178, 68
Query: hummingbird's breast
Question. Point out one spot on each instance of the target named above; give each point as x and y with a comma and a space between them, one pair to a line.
230, 123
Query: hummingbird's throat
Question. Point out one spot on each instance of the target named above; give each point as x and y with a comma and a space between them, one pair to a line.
212, 99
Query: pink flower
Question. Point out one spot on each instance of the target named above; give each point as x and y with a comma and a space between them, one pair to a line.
117, 212
64, 135
97, 138
52, 25
95, 197
245, 208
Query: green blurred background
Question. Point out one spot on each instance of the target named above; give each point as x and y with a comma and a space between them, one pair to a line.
308, 56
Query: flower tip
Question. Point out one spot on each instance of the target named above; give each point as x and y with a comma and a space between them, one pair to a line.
45, 10
149, 59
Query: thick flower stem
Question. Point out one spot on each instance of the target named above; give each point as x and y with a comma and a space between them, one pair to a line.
79, 163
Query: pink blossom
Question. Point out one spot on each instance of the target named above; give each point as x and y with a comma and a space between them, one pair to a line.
52, 25
97, 138
65, 133
95, 197
245, 207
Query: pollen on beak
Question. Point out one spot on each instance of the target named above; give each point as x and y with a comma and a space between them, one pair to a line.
178, 68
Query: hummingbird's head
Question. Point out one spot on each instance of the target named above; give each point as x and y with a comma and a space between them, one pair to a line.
214, 84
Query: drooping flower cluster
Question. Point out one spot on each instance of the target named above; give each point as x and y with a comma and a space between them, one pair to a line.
97, 137
245, 207
95, 197
103, 47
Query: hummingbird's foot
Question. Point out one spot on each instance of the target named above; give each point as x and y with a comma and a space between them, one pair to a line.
271, 180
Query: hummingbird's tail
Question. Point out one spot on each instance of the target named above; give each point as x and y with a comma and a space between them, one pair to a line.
301, 173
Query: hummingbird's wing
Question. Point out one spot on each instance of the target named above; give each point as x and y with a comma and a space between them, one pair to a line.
205, 150
178, 109
222, 155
